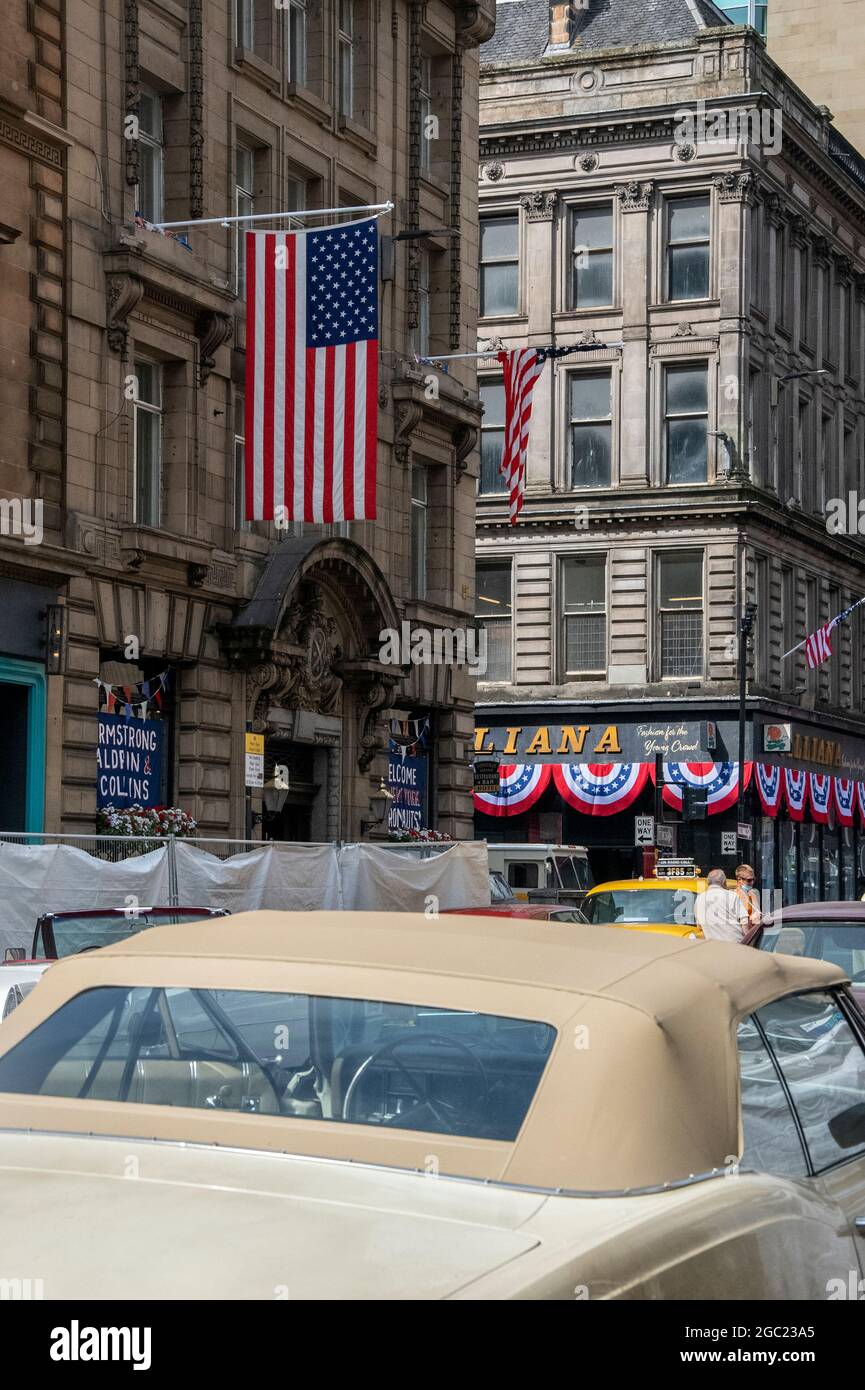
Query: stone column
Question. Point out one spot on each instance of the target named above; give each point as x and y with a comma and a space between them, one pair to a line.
539, 258
635, 201
731, 254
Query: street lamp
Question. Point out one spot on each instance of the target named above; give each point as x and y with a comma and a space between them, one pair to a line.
779, 381
746, 627
378, 804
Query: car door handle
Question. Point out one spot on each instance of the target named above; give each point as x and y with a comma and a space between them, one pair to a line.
859, 1223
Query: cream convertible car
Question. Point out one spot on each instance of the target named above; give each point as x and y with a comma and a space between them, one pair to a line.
322, 1106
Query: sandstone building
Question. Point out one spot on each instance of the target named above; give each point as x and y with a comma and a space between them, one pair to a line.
121, 385
684, 466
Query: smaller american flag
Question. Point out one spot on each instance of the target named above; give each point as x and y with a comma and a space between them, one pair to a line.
521, 370
818, 647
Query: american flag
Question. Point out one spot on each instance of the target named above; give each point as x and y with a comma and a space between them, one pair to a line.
312, 373
818, 647
521, 370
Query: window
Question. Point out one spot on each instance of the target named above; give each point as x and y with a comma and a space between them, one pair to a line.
295, 40
788, 623
492, 393
584, 615
823, 1066
426, 124
245, 36
803, 449
760, 646
825, 484
811, 622
244, 206
832, 669
590, 427
494, 616
781, 280
751, 12
148, 444
805, 326
222, 1048
688, 248
149, 195
240, 521
680, 590
771, 1139
686, 424
592, 252
499, 266
345, 53
829, 318
419, 514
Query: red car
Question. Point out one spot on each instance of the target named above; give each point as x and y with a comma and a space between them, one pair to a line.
541, 912
60, 934
833, 932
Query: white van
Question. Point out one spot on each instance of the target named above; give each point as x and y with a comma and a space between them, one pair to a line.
543, 873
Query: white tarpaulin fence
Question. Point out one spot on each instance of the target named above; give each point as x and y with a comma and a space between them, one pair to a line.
292, 877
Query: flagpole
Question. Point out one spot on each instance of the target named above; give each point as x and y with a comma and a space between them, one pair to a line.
493, 352
379, 208
840, 618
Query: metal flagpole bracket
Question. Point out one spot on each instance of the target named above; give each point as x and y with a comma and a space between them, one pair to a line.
380, 209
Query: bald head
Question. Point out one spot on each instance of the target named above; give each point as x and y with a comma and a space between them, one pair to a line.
717, 878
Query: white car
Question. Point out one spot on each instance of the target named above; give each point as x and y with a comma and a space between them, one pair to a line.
16, 982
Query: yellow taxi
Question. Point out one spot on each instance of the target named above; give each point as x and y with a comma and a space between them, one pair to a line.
663, 905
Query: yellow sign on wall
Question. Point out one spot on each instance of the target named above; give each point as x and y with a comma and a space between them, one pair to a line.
255, 743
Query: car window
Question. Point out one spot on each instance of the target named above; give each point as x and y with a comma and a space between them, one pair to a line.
358, 1061
524, 875
771, 1142
823, 1065
628, 905
74, 934
839, 943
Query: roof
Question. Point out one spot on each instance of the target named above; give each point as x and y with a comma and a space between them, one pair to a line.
522, 26
818, 912
651, 1098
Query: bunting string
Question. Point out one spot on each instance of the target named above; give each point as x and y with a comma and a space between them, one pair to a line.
126, 699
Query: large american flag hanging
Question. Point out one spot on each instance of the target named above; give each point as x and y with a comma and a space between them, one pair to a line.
312, 373
521, 370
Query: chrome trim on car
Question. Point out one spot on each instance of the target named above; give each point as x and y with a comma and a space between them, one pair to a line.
671, 1186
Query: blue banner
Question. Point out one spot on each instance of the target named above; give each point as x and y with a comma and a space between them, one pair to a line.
407, 782
129, 761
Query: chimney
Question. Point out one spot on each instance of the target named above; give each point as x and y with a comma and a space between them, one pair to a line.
562, 25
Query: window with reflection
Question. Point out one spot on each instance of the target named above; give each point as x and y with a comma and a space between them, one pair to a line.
499, 265
688, 244
492, 394
494, 615
680, 595
592, 257
686, 424
590, 428
584, 616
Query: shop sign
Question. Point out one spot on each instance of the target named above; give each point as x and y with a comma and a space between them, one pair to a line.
777, 738
129, 757
486, 775
674, 740
408, 773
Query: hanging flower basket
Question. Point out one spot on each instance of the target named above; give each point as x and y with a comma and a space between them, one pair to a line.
151, 824
420, 837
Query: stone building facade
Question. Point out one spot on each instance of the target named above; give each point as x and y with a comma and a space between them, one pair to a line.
684, 464
122, 383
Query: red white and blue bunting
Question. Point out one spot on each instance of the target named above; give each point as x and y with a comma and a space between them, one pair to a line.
796, 787
520, 786
770, 787
720, 781
820, 786
605, 789
845, 800
600, 789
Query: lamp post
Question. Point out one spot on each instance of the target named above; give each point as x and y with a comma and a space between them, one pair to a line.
746, 627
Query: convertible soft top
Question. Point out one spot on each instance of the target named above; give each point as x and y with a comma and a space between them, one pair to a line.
641, 1089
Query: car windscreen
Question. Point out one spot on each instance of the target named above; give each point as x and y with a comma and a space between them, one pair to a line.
838, 942
355, 1061
573, 872
632, 906
74, 934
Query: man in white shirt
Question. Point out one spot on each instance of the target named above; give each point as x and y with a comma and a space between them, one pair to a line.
720, 912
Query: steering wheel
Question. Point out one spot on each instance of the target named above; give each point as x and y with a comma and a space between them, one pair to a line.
421, 1092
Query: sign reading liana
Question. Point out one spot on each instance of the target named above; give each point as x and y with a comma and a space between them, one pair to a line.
129, 761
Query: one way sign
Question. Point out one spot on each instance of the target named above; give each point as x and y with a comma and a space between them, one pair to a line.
644, 831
